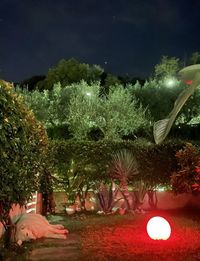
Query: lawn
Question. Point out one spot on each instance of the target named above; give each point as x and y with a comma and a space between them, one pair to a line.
115, 237
127, 240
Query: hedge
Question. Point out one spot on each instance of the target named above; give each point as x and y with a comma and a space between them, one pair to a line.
155, 162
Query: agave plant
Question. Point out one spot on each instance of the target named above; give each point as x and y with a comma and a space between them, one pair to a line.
107, 195
162, 127
123, 168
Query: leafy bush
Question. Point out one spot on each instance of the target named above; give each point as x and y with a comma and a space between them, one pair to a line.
155, 163
187, 177
23, 152
85, 113
70, 71
115, 115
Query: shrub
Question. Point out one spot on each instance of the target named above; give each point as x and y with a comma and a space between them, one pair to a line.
187, 177
155, 163
23, 152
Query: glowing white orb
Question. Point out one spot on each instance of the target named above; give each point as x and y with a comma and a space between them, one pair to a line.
158, 228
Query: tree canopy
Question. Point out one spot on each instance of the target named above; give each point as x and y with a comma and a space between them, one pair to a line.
70, 71
168, 67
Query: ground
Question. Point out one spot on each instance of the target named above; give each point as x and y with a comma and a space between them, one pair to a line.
115, 237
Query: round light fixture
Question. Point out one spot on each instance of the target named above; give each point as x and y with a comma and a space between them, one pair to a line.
158, 228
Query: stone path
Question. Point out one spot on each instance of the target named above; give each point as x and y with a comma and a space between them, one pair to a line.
56, 249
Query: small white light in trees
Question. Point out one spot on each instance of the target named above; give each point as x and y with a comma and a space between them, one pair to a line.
170, 82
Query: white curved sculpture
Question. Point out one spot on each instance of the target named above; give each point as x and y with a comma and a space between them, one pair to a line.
162, 127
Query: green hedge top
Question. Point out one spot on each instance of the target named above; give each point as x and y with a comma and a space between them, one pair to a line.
155, 162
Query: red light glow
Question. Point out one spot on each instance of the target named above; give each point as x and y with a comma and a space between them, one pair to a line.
158, 228
189, 82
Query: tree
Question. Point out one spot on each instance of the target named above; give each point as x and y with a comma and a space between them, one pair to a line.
31, 82
168, 67
194, 58
122, 114
163, 97
23, 153
111, 80
84, 110
108, 80
51, 107
70, 71
116, 115
36, 101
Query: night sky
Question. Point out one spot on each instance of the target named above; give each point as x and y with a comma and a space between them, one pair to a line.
123, 36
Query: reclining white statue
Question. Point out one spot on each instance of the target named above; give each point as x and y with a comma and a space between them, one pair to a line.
34, 226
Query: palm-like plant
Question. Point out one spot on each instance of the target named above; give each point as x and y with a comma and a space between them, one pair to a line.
123, 168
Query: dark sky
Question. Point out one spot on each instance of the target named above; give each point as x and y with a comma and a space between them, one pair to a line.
123, 36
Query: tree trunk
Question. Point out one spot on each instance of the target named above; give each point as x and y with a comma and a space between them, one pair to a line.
9, 235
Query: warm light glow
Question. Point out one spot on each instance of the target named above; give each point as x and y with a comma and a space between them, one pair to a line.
170, 82
158, 228
88, 93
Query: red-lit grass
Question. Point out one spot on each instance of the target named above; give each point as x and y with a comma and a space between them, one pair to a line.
123, 238
128, 240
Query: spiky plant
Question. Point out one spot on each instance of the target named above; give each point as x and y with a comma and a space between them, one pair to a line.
123, 168
107, 195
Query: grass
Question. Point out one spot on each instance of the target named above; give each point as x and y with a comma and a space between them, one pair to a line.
116, 237
125, 237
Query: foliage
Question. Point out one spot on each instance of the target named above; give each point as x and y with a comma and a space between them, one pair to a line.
163, 97
111, 80
84, 110
70, 71
23, 152
31, 82
51, 107
122, 113
123, 168
116, 115
155, 163
187, 177
85, 113
73, 181
36, 101
167, 67
194, 58
106, 194
190, 113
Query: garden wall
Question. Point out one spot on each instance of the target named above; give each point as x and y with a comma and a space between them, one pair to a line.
168, 200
